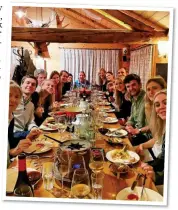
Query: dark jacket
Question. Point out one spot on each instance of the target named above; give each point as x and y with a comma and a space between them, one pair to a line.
46, 106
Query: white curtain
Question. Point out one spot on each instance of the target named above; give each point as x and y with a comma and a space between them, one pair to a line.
141, 63
89, 61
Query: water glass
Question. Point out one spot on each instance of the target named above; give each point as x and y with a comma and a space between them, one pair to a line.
97, 184
48, 175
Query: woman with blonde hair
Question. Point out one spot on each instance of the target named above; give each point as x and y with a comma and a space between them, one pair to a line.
43, 101
122, 106
55, 76
155, 169
153, 86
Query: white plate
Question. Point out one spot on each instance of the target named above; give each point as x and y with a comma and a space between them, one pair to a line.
148, 194
104, 103
48, 128
110, 120
109, 156
117, 133
37, 148
75, 145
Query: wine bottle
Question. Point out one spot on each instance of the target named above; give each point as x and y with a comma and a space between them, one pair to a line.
22, 179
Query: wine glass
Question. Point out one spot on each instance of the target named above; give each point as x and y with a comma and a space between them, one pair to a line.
70, 119
75, 161
80, 186
34, 171
62, 166
23, 191
61, 124
96, 160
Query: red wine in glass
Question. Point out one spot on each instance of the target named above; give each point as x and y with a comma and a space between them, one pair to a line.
34, 177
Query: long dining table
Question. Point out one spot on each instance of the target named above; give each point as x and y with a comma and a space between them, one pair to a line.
112, 184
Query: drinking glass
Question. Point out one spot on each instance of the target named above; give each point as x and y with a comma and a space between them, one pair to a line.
63, 166
34, 170
76, 161
23, 191
48, 175
61, 124
96, 160
97, 184
80, 186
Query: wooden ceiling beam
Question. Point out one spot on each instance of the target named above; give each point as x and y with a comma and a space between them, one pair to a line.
143, 20
113, 19
81, 18
134, 23
112, 24
82, 35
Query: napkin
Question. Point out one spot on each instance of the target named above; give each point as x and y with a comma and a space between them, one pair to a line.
11, 179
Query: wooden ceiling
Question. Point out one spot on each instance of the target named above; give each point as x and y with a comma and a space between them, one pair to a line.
90, 25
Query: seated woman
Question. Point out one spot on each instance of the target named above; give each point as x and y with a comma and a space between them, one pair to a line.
43, 101
15, 148
153, 85
63, 78
55, 76
110, 87
122, 106
155, 170
102, 79
109, 76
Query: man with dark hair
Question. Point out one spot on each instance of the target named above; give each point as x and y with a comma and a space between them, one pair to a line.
24, 114
81, 82
137, 117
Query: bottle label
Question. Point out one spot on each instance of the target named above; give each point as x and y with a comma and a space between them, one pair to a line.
22, 165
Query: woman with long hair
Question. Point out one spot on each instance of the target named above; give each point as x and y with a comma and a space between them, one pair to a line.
55, 76
102, 79
43, 101
155, 169
63, 78
153, 85
122, 106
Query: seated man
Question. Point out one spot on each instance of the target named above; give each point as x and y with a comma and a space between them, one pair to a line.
24, 114
40, 75
81, 82
137, 119
121, 72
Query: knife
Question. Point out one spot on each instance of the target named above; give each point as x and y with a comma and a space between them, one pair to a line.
144, 180
136, 181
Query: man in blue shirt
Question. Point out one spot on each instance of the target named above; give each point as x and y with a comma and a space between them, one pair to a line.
81, 82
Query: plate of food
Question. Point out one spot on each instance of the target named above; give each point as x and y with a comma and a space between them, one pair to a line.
38, 147
116, 133
104, 103
121, 168
108, 109
110, 120
122, 156
115, 141
49, 126
75, 145
130, 195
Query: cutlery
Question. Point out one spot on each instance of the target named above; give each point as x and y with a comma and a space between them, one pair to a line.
136, 181
51, 138
143, 186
